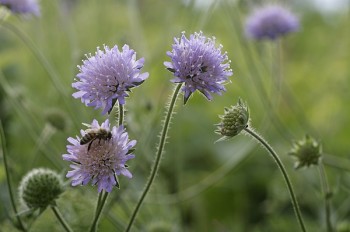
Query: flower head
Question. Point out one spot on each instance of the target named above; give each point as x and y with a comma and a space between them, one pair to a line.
102, 159
270, 22
307, 151
199, 64
22, 6
233, 121
40, 188
107, 76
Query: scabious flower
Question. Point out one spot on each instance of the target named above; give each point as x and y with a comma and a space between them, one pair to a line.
199, 64
101, 161
307, 152
22, 6
271, 22
107, 76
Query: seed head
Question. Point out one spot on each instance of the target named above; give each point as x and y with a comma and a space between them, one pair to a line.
233, 121
307, 152
40, 188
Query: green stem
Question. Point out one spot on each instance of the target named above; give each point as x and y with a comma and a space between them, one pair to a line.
327, 195
101, 202
276, 71
60, 218
121, 115
9, 186
158, 155
284, 173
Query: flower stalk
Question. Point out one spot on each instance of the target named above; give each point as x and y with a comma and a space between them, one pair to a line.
60, 218
274, 155
8, 181
327, 196
102, 197
158, 155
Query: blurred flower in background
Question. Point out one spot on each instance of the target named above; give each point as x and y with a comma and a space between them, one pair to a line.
199, 64
270, 22
106, 77
22, 6
103, 161
306, 151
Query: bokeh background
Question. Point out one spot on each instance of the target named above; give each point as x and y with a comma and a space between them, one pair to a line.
201, 186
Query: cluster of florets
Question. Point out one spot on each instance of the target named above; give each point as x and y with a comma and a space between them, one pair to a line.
25, 7
271, 22
199, 64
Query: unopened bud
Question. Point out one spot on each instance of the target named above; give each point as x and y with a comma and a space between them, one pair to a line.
40, 188
234, 120
307, 151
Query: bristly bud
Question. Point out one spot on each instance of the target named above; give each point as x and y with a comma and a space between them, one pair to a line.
307, 151
40, 188
233, 121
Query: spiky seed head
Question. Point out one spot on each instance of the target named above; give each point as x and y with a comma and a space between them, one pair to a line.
234, 120
40, 188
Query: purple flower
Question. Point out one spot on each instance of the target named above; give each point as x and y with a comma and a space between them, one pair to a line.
270, 22
101, 161
22, 6
199, 64
107, 76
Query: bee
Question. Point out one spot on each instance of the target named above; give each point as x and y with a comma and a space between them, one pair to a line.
93, 134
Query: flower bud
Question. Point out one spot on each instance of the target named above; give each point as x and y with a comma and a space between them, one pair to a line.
40, 188
307, 151
234, 120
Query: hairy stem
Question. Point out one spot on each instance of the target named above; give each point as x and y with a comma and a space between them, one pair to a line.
9, 185
60, 218
274, 155
100, 203
158, 155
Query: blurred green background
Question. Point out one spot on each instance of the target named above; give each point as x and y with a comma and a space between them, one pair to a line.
201, 186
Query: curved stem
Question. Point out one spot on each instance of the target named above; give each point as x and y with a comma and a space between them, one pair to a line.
60, 218
284, 173
9, 186
158, 155
327, 195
